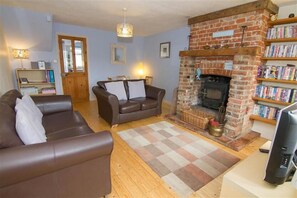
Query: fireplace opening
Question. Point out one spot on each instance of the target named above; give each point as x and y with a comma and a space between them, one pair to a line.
215, 91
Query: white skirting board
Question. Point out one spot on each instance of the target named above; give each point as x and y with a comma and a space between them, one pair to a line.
266, 130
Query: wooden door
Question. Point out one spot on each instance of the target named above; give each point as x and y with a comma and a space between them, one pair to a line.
74, 67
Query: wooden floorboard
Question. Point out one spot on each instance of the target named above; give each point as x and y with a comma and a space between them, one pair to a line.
131, 176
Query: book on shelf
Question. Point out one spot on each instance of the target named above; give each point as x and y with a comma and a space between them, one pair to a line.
48, 90
276, 93
288, 72
49, 75
279, 32
29, 90
265, 111
281, 51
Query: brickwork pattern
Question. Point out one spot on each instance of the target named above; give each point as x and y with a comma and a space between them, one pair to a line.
243, 83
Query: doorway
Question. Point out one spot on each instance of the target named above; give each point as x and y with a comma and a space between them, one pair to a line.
74, 67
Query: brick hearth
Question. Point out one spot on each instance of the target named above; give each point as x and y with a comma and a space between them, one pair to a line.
243, 74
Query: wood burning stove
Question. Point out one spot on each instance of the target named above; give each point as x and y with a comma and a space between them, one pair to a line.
215, 91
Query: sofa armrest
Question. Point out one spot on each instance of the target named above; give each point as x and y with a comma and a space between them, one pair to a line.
53, 104
108, 105
155, 93
25, 162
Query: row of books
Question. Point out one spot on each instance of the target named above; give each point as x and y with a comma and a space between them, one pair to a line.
265, 111
49, 75
289, 31
287, 50
276, 93
48, 90
288, 72
29, 90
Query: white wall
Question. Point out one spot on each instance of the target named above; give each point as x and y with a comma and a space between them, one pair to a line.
5, 68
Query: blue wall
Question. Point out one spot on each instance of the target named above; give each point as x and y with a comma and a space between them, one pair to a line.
138, 49
165, 71
99, 53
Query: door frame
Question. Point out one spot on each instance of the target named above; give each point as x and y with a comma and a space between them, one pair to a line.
61, 69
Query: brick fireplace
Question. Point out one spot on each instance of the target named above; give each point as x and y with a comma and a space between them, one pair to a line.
246, 58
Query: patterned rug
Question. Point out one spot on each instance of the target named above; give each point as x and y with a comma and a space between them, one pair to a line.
184, 161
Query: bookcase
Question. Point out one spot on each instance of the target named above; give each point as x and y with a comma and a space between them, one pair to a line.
281, 46
36, 81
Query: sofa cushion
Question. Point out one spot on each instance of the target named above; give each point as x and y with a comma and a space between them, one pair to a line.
69, 132
57, 122
146, 103
32, 106
8, 134
27, 127
117, 88
136, 89
128, 106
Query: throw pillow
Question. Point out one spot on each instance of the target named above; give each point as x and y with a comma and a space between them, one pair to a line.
117, 88
29, 129
136, 89
32, 106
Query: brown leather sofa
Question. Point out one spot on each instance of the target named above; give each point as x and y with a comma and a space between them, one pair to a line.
116, 111
74, 162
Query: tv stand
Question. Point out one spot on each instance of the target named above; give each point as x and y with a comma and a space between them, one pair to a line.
246, 179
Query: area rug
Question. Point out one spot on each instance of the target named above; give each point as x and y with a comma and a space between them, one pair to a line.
183, 161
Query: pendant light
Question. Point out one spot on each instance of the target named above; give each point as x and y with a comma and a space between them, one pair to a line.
124, 29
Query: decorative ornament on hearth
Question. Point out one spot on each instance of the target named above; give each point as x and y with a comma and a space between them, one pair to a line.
198, 73
216, 127
273, 17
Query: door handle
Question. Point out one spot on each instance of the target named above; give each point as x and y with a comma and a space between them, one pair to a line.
63, 75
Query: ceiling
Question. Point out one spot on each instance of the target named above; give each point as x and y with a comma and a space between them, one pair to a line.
147, 16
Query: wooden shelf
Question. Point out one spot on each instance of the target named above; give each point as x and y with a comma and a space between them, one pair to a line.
280, 40
277, 81
280, 58
282, 21
37, 83
258, 118
271, 101
222, 52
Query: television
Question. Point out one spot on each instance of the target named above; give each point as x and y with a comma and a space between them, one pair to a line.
281, 162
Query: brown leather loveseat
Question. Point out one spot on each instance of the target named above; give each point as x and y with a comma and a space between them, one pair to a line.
74, 162
116, 111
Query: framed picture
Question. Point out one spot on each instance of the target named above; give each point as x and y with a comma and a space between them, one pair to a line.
165, 50
118, 54
41, 65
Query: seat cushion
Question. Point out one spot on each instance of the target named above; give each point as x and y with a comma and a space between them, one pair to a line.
69, 132
128, 106
57, 122
146, 103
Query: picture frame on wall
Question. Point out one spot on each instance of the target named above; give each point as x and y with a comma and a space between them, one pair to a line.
118, 54
41, 64
165, 50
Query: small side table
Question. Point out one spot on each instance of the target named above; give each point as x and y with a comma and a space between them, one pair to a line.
246, 179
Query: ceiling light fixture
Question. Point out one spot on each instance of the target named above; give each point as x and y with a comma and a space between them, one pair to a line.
124, 29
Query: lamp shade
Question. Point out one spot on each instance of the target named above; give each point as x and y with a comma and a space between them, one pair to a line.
20, 53
124, 30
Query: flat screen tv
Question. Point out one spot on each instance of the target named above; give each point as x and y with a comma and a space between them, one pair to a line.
282, 155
